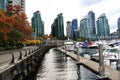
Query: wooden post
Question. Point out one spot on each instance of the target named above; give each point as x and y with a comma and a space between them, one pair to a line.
101, 75
101, 61
77, 54
118, 62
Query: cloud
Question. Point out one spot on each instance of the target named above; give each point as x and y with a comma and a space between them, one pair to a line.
73, 9
89, 2
109, 7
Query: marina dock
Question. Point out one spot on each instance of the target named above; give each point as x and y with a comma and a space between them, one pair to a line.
111, 73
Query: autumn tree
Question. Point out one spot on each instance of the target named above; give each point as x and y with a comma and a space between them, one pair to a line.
21, 28
6, 24
14, 26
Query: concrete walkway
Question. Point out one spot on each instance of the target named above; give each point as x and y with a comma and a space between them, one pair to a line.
94, 66
6, 56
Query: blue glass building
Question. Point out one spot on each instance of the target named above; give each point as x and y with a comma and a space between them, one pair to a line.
37, 24
84, 28
92, 27
74, 26
103, 30
3, 4
57, 28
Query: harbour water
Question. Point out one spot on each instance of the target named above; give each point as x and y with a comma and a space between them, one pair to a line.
56, 66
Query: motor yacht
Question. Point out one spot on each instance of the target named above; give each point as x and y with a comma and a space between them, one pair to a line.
108, 53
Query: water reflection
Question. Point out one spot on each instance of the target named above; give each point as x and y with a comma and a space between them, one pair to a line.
56, 67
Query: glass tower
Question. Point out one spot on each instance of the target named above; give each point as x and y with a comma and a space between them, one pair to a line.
3, 4
84, 28
37, 24
92, 27
57, 28
68, 29
74, 27
103, 30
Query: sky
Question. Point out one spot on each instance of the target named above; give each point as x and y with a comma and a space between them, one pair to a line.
73, 9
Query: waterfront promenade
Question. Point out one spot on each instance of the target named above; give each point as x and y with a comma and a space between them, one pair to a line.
112, 74
22, 64
94, 66
7, 56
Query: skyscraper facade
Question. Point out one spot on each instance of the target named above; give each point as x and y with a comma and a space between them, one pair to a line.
118, 24
103, 30
84, 28
88, 27
60, 26
57, 28
5, 3
74, 26
68, 29
37, 24
18, 2
54, 29
92, 27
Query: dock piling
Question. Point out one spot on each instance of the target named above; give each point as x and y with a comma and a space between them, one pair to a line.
101, 75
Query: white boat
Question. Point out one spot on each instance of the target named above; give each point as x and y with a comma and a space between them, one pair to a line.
69, 45
108, 53
93, 44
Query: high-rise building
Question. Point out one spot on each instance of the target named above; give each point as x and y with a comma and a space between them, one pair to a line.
5, 3
84, 28
22, 5
103, 30
88, 27
118, 24
38, 24
18, 2
43, 27
57, 28
74, 26
92, 27
1, 4
68, 29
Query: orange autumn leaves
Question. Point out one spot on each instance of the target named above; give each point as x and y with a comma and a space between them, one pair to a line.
14, 26
6, 23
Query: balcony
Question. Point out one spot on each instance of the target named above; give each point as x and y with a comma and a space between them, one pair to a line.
10, 1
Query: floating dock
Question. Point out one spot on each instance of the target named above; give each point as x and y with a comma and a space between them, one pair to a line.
110, 73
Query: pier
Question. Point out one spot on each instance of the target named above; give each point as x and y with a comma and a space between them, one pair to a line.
24, 63
110, 73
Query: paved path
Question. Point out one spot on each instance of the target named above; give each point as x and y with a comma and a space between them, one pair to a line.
109, 72
6, 56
